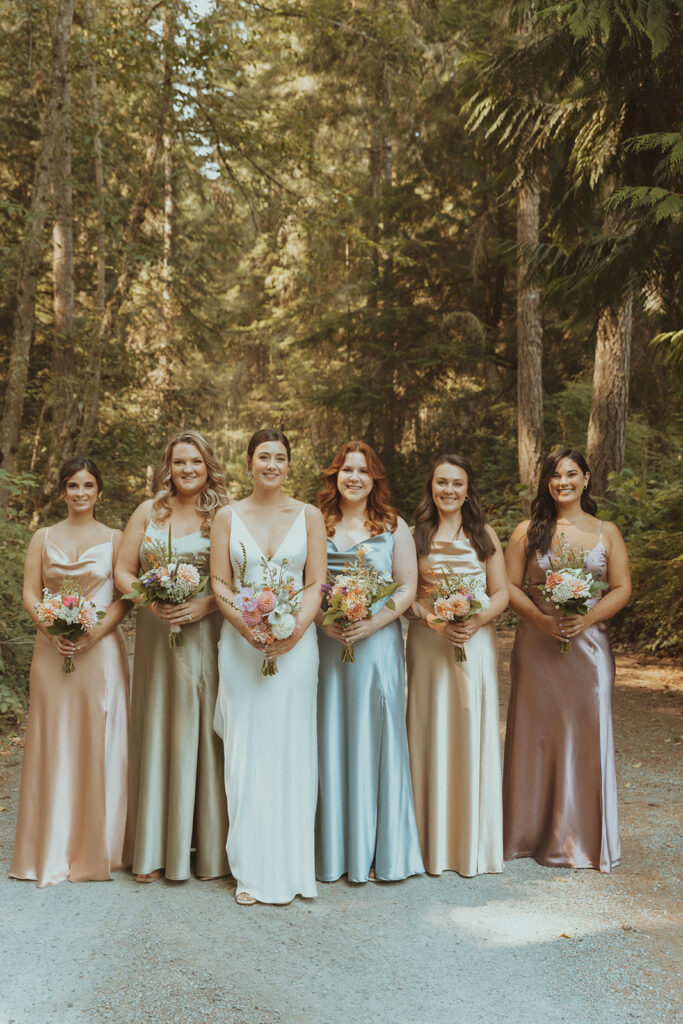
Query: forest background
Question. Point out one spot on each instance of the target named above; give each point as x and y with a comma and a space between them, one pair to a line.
432, 224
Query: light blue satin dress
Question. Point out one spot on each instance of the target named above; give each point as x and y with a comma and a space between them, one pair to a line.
365, 805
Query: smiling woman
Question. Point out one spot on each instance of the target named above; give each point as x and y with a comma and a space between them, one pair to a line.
176, 795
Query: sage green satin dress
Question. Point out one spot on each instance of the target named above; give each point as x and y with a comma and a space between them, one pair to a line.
176, 796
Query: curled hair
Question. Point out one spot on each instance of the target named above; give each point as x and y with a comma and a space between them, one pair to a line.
75, 465
265, 435
543, 508
380, 513
473, 520
212, 495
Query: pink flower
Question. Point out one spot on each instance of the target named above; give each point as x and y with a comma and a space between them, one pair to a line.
70, 600
252, 617
87, 617
459, 604
266, 601
442, 609
553, 580
188, 574
246, 600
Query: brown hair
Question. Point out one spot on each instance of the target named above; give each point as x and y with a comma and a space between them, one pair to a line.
75, 465
212, 495
473, 520
381, 515
543, 508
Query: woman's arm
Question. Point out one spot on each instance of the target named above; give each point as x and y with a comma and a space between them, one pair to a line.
521, 603
116, 611
619, 580
404, 569
33, 581
128, 553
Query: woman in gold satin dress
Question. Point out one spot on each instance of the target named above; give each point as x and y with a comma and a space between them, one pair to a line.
559, 781
72, 802
453, 731
176, 796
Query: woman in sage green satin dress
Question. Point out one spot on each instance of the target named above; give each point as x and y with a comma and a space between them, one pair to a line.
453, 729
559, 781
365, 826
176, 797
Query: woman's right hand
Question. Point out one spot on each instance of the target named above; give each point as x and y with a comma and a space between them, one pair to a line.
335, 631
550, 625
448, 630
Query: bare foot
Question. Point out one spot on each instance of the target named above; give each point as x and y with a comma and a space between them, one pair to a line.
372, 877
245, 899
153, 876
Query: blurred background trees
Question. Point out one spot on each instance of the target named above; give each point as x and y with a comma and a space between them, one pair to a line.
432, 224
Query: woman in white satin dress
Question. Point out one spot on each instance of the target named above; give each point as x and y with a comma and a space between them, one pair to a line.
268, 723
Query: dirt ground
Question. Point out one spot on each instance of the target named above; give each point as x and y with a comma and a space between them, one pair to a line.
533, 945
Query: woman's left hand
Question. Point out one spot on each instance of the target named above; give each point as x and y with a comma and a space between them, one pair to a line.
83, 643
572, 625
461, 632
359, 631
274, 650
185, 613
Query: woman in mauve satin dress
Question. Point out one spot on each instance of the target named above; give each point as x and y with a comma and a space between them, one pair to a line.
453, 730
176, 798
72, 801
365, 826
559, 780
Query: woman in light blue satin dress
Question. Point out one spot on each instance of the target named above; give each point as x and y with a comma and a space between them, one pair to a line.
365, 827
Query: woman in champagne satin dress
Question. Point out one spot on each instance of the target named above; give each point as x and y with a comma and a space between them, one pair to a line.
176, 798
453, 730
72, 801
365, 825
559, 781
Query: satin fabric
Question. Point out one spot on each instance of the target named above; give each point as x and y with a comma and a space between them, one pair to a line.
365, 804
177, 801
560, 786
453, 735
72, 801
268, 727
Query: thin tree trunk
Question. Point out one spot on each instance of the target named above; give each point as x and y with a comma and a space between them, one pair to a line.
94, 367
529, 343
30, 257
609, 407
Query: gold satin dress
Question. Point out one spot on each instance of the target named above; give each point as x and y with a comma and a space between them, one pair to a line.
453, 735
72, 801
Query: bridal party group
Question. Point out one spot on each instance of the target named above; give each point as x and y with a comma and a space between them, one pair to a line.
289, 756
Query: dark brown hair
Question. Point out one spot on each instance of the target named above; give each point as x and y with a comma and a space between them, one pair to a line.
381, 515
543, 508
265, 435
473, 520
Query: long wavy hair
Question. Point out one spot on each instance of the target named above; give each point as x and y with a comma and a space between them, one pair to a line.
212, 495
380, 513
543, 508
426, 516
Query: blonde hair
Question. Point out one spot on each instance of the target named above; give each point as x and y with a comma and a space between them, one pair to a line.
212, 495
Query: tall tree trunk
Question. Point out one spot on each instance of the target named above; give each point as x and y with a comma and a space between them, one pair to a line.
30, 256
609, 407
62, 404
529, 343
94, 365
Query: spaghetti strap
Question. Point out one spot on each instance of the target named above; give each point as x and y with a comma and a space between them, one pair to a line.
602, 527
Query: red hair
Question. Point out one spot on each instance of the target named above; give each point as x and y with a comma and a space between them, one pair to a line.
381, 515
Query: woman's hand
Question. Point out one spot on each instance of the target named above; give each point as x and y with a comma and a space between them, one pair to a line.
182, 614
571, 625
549, 624
461, 632
450, 631
279, 647
334, 630
359, 630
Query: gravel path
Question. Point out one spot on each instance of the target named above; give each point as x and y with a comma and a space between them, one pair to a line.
531, 945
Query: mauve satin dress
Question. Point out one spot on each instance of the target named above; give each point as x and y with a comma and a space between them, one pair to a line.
72, 802
453, 735
559, 779
176, 800
365, 803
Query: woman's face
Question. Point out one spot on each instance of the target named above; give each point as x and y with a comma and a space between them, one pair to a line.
270, 464
354, 482
188, 469
449, 488
567, 483
81, 492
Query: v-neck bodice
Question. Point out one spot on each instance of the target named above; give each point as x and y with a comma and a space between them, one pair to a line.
291, 552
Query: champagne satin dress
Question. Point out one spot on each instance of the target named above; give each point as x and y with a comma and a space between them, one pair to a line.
177, 800
453, 735
365, 803
72, 801
559, 781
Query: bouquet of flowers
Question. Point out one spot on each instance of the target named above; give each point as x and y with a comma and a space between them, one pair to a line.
457, 598
169, 580
68, 613
569, 584
350, 595
269, 610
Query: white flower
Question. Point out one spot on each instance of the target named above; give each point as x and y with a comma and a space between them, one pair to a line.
283, 626
562, 593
